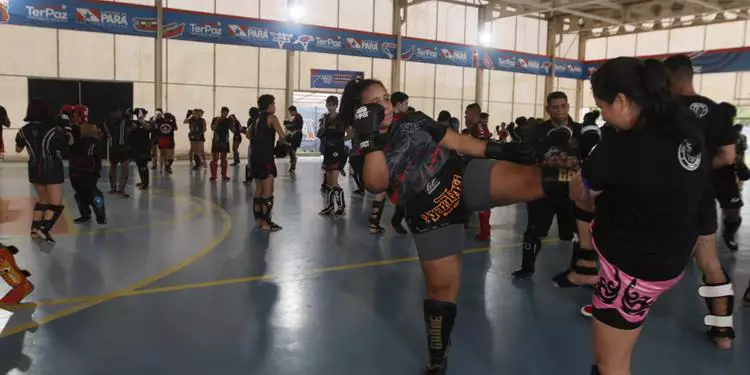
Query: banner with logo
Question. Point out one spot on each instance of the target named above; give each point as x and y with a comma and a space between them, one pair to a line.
332, 79
717, 61
130, 19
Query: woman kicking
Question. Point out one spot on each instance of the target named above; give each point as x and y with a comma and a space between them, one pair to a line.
438, 190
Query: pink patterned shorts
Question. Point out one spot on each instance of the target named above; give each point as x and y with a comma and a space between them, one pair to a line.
622, 301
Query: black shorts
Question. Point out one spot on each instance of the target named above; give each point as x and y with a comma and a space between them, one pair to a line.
333, 156
707, 212
262, 170
219, 147
47, 176
436, 216
726, 188
197, 137
119, 154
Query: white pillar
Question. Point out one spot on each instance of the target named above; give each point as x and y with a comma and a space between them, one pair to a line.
158, 60
396, 63
289, 88
580, 83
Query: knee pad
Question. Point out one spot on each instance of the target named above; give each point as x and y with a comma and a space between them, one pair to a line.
710, 292
583, 215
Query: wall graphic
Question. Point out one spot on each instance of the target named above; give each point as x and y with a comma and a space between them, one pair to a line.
332, 79
715, 61
129, 19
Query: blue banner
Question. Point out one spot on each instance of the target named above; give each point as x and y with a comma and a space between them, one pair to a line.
717, 61
129, 19
332, 79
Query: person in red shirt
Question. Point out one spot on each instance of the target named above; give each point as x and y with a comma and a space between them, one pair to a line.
476, 123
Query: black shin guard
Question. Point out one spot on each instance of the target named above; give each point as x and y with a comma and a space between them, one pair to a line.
719, 326
144, 175
257, 210
99, 208
439, 317
357, 180
376, 214
339, 201
197, 160
113, 177
57, 211
329, 203
531, 247
268, 203
37, 224
169, 163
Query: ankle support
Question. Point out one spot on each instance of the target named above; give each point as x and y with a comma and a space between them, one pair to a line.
377, 212
57, 211
580, 253
719, 325
439, 317
731, 226
258, 211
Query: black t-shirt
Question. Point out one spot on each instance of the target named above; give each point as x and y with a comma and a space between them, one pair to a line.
646, 215
196, 126
262, 139
717, 126
413, 156
221, 130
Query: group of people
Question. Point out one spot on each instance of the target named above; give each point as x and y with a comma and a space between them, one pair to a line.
636, 196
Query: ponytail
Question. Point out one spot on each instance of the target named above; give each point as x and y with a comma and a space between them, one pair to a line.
647, 84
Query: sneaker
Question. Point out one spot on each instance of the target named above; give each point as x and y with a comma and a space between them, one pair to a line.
82, 220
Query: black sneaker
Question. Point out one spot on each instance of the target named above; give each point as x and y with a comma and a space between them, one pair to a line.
82, 220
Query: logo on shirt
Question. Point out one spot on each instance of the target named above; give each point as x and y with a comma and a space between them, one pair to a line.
432, 185
362, 113
700, 109
688, 158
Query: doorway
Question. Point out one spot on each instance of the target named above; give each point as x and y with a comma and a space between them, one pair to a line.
99, 96
312, 106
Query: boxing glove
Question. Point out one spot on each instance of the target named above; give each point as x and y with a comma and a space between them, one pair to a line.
189, 113
559, 136
366, 124
590, 136
519, 153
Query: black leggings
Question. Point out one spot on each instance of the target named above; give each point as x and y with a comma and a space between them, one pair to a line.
86, 191
142, 164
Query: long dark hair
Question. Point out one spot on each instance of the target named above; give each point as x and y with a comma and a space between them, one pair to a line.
647, 84
351, 99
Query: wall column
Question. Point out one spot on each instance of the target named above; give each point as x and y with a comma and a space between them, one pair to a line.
580, 83
552, 34
158, 60
289, 87
396, 62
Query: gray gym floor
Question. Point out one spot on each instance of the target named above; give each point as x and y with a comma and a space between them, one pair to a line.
180, 282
